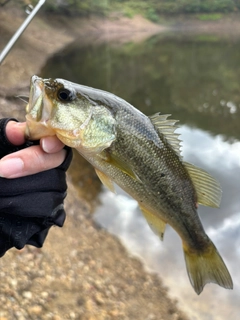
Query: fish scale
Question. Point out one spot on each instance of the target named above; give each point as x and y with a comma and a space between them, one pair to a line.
139, 153
140, 150
161, 189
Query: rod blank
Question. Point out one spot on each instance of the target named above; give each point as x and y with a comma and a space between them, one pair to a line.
20, 30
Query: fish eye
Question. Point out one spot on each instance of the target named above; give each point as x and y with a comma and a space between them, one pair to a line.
65, 95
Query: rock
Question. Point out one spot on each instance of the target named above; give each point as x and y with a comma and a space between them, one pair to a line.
27, 294
99, 299
44, 294
35, 310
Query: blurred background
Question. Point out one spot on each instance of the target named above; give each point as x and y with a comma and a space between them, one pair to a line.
177, 57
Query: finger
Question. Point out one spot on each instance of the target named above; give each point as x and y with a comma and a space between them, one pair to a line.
51, 144
29, 161
15, 132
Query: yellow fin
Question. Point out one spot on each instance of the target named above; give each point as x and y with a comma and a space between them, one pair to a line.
123, 166
208, 190
157, 225
207, 267
105, 180
167, 127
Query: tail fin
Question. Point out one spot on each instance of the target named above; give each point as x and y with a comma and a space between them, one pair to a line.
205, 267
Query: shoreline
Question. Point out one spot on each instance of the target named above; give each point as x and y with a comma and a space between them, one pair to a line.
82, 271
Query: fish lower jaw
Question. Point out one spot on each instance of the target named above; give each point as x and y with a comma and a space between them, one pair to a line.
69, 140
37, 130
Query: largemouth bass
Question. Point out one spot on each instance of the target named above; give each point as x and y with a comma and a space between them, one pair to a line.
140, 154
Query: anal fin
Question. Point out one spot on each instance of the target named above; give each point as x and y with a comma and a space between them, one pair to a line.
157, 225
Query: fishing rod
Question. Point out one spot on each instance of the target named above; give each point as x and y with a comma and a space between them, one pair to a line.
20, 30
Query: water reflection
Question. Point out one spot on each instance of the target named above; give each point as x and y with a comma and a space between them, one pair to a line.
121, 216
195, 78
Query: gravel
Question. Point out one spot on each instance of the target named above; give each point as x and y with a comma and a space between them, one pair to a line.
82, 272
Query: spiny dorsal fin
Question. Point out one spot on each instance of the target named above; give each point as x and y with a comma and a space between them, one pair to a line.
167, 127
208, 190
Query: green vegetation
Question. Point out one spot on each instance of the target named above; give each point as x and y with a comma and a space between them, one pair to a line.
210, 16
148, 8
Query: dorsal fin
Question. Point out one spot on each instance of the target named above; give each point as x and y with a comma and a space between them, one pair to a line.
167, 128
208, 190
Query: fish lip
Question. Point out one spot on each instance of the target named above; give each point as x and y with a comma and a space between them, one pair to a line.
36, 89
38, 110
39, 105
36, 130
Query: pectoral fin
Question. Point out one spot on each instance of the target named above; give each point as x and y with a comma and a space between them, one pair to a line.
106, 181
157, 225
123, 166
208, 190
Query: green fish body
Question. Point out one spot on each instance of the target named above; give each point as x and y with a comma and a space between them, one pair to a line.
141, 155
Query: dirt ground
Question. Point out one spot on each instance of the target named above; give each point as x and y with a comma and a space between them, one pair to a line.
82, 272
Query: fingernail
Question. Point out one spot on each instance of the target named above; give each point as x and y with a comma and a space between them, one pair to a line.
11, 168
51, 144
47, 145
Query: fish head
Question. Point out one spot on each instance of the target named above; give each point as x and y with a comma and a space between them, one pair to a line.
62, 108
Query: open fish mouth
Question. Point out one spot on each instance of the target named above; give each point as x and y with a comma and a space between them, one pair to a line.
139, 153
36, 90
38, 111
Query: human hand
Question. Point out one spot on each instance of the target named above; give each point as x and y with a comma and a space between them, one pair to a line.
31, 204
49, 154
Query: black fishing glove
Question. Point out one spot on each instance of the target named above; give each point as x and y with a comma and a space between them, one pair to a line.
30, 205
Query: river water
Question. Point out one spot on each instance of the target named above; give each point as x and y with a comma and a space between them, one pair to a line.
196, 79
